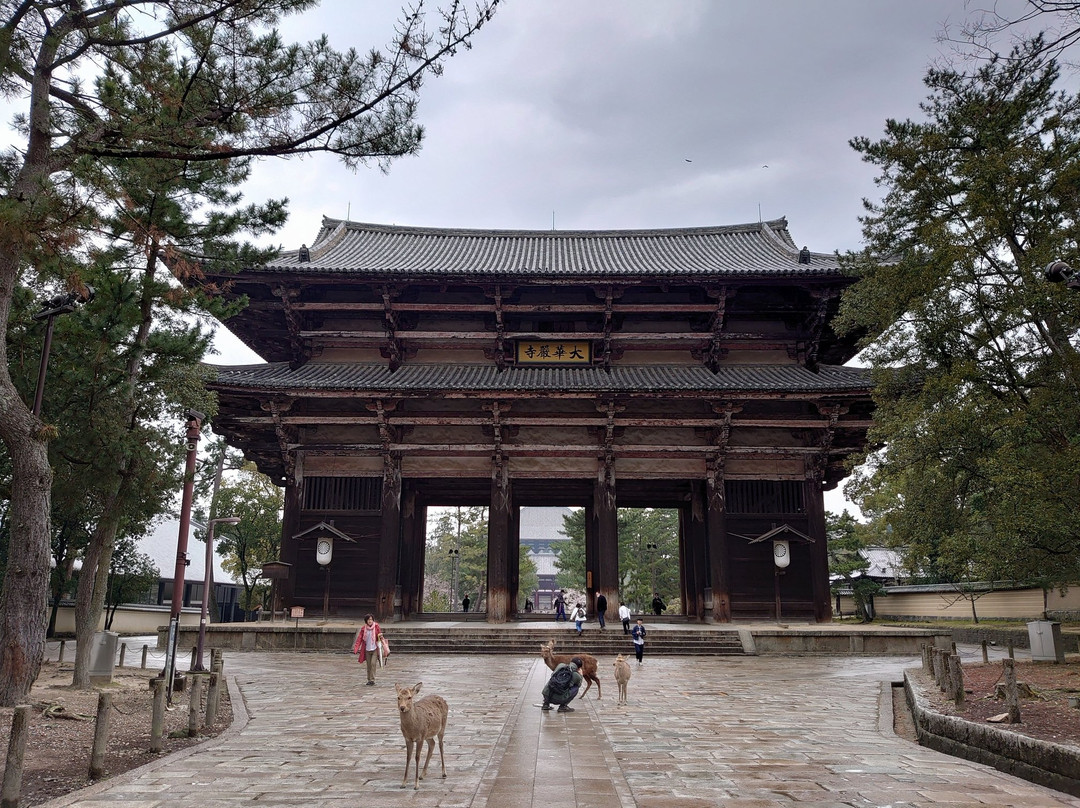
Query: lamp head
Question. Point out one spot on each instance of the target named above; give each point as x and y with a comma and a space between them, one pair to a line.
1058, 271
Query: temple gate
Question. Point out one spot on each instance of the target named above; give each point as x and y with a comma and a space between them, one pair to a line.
688, 368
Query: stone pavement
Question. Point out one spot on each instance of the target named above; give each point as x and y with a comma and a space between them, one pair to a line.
741, 732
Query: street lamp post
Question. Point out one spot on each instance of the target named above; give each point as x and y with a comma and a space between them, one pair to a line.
455, 555
51, 309
194, 427
204, 613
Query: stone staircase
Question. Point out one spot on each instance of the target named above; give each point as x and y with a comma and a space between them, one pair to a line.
476, 639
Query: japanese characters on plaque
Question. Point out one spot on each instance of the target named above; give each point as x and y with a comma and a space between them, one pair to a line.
554, 352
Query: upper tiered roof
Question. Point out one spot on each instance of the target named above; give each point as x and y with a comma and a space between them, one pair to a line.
745, 250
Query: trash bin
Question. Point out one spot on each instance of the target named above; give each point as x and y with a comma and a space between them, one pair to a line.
1045, 638
103, 656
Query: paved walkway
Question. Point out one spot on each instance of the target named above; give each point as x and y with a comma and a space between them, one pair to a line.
741, 732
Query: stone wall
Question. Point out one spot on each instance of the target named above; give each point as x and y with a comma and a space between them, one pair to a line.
1049, 764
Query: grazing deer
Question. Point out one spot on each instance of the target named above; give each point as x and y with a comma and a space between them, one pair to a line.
622, 676
588, 670
421, 720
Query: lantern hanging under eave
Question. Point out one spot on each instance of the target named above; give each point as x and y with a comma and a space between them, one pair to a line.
781, 553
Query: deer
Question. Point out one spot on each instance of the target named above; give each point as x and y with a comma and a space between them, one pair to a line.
622, 676
421, 720
588, 670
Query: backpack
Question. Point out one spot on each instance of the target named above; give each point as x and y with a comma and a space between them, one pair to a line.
561, 681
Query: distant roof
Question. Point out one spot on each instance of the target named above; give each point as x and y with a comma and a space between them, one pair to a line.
545, 523
883, 562
760, 248
442, 379
160, 545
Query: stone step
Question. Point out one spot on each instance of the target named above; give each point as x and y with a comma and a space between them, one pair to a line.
476, 641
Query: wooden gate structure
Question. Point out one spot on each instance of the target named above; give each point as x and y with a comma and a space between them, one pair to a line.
688, 368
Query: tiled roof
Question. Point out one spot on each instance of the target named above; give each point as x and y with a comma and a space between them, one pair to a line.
434, 379
761, 248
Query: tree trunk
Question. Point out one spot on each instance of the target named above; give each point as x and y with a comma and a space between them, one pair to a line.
93, 584
25, 594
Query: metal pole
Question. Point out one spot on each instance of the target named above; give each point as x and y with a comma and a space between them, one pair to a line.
204, 611
776, 592
207, 583
194, 425
46, 346
326, 594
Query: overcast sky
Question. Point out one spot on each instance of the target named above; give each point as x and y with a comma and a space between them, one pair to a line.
633, 114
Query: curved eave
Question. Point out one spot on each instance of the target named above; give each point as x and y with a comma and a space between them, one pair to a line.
320, 379
352, 249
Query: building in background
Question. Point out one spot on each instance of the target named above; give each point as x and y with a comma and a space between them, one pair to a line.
690, 368
151, 612
541, 537
160, 544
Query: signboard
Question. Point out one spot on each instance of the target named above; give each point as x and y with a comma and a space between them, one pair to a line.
554, 352
275, 570
296, 612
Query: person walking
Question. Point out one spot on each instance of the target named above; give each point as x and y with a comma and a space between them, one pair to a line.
560, 605
465, 603
637, 634
561, 688
601, 610
578, 616
658, 604
624, 615
367, 645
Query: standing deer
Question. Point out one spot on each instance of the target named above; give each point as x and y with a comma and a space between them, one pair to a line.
622, 676
588, 670
421, 720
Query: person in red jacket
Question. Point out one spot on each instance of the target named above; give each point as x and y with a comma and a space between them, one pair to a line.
367, 645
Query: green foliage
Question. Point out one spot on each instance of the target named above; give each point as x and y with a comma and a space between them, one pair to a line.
642, 569
437, 600
846, 539
978, 374
464, 529
135, 115
132, 577
256, 538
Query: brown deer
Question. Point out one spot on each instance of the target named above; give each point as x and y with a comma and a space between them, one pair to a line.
622, 676
421, 720
588, 670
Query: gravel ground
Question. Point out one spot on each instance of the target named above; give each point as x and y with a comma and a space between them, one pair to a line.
58, 748
1046, 715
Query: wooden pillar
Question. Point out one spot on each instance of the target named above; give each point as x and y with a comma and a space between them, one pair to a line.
389, 537
513, 561
716, 528
498, 578
413, 529
686, 569
602, 553
592, 545
290, 526
814, 502
695, 557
